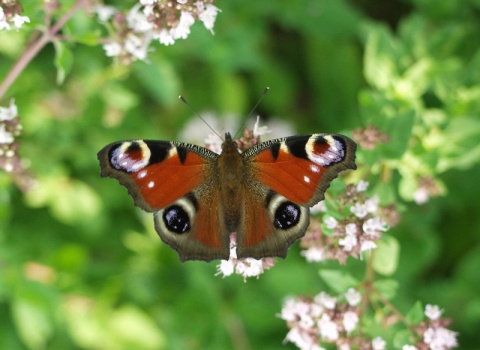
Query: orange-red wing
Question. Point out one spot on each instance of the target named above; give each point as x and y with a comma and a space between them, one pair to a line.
259, 235
156, 173
207, 238
301, 167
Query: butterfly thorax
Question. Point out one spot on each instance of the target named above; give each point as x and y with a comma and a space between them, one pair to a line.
230, 172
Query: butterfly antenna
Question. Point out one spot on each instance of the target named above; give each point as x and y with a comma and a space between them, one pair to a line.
251, 112
198, 115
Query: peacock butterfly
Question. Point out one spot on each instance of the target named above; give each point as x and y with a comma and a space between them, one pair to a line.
199, 197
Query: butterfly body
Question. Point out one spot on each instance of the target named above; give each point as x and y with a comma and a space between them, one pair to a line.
199, 197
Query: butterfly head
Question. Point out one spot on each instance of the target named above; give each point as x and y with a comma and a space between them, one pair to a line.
229, 145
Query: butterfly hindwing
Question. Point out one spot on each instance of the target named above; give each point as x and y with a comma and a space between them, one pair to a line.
194, 226
272, 224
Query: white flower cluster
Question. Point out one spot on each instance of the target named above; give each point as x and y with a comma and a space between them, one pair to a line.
247, 267
350, 235
10, 16
321, 319
7, 114
10, 129
437, 336
148, 20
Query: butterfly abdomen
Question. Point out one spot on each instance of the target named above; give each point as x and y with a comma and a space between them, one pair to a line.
230, 168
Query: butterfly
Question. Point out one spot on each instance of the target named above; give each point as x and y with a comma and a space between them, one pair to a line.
199, 197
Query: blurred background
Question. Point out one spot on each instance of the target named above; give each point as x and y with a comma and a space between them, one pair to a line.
82, 268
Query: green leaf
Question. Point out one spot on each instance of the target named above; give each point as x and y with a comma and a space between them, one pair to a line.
387, 287
337, 280
135, 329
160, 80
381, 53
401, 338
32, 315
415, 315
71, 201
385, 260
63, 60
399, 127
462, 150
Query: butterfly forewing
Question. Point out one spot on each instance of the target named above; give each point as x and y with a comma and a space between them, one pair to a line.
155, 172
302, 167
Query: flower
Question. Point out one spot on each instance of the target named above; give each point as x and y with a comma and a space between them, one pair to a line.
137, 21
350, 240
183, 28
314, 254
5, 136
260, 130
360, 210
10, 160
440, 338
325, 300
112, 49
358, 222
320, 207
247, 267
362, 186
165, 37
10, 14
371, 204
302, 339
136, 46
331, 222
10, 112
350, 320
353, 297
105, 12
421, 196
367, 246
148, 20
328, 328
19, 20
369, 137
378, 344
427, 187
373, 227
409, 347
208, 16
433, 312
319, 321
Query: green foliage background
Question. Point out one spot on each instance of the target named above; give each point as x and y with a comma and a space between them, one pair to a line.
411, 68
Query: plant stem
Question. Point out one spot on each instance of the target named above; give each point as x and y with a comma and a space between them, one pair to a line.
32, 50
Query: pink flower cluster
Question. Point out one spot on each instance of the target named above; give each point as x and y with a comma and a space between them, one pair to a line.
10, 15
10, 161
369, 137
165, 21
322, 320
353, 228
247, 267
316, 322
433, 334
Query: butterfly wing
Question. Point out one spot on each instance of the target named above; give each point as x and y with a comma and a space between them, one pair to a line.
176, 181
290, 175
